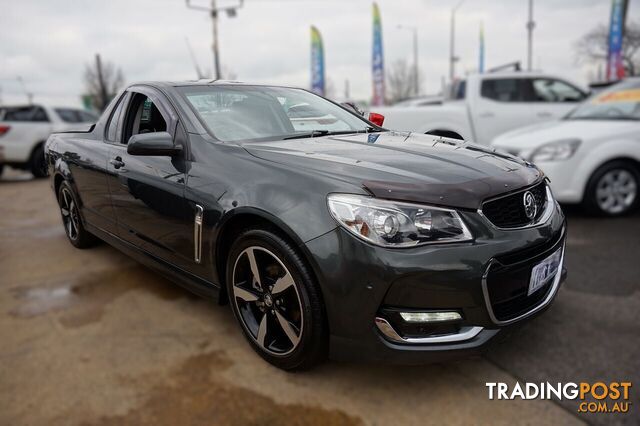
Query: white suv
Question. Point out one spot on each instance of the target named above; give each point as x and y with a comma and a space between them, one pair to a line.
24, 129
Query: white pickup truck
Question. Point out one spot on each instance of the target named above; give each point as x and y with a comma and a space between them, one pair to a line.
483, 106
24, 129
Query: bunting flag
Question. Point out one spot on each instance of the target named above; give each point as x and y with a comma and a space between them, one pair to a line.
317, 63
615, 66
377, 59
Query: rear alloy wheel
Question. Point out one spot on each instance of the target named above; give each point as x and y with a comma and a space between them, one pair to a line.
77, 235
276, 301
613, 189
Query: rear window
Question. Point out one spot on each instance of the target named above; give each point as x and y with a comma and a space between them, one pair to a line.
27, 113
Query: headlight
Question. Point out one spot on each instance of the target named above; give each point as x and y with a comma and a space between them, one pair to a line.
394, 224
555, 151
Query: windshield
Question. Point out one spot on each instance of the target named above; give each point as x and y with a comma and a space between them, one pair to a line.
619, 102
250, 113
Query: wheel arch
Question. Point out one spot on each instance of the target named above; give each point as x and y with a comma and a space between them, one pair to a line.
35, 147
244, 218
610, 159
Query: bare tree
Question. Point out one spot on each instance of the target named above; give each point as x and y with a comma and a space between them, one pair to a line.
102, 82
593, 47
401, 81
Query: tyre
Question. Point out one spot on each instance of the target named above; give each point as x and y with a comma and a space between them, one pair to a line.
612, 190
276, 301
38, 164
76, 233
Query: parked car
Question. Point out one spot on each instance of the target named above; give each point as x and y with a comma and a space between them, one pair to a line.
24, 129
482, 106
359, 244
593, 154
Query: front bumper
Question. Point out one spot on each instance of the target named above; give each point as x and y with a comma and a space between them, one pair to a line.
363, 284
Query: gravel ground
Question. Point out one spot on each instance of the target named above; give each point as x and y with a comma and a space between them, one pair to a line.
92, 337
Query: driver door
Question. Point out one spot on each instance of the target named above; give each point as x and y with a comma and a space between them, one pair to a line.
147, 192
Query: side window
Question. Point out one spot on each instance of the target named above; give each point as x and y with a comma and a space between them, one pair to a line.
68, 115
551, 90
143, 116
503, 89
40, 115
29, 113
88, 117
112, 127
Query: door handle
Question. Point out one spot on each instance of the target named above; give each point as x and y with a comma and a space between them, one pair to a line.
117, 162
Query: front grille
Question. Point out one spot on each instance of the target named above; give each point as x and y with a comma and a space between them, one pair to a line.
509, 212
507, 282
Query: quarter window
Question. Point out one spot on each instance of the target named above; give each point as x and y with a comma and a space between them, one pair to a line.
112, 128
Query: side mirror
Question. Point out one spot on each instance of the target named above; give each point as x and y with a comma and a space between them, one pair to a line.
376, 118
155, 143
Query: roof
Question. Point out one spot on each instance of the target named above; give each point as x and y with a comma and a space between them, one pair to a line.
203, 82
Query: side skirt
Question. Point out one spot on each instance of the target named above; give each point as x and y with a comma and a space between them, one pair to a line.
179, 276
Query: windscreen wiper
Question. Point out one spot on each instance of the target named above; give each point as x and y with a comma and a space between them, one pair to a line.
311, 134
315, 133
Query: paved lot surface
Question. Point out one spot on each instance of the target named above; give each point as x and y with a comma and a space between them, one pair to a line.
91, 337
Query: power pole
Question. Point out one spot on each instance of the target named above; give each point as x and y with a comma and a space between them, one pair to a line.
530, 26
416, 67
103, 87
452, 42
26, 92
214, 10
214, 46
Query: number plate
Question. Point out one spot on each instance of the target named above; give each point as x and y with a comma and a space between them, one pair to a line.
544, 271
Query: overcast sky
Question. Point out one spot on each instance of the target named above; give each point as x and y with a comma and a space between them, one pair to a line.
48, 42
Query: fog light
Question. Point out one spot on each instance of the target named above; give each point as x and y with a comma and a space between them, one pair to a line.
430, 316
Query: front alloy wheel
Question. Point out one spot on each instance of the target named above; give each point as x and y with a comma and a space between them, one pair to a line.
267, 300
276, 301
616, 191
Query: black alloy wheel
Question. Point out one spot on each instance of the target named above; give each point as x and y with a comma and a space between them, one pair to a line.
74, 229
276, 301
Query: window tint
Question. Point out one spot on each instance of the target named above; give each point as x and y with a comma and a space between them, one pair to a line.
28, 113
503, 89
551, 90
69, 115
143, 116
112, 127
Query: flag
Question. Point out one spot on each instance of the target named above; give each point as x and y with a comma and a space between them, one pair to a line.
377, 67
615, 66
317, 62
